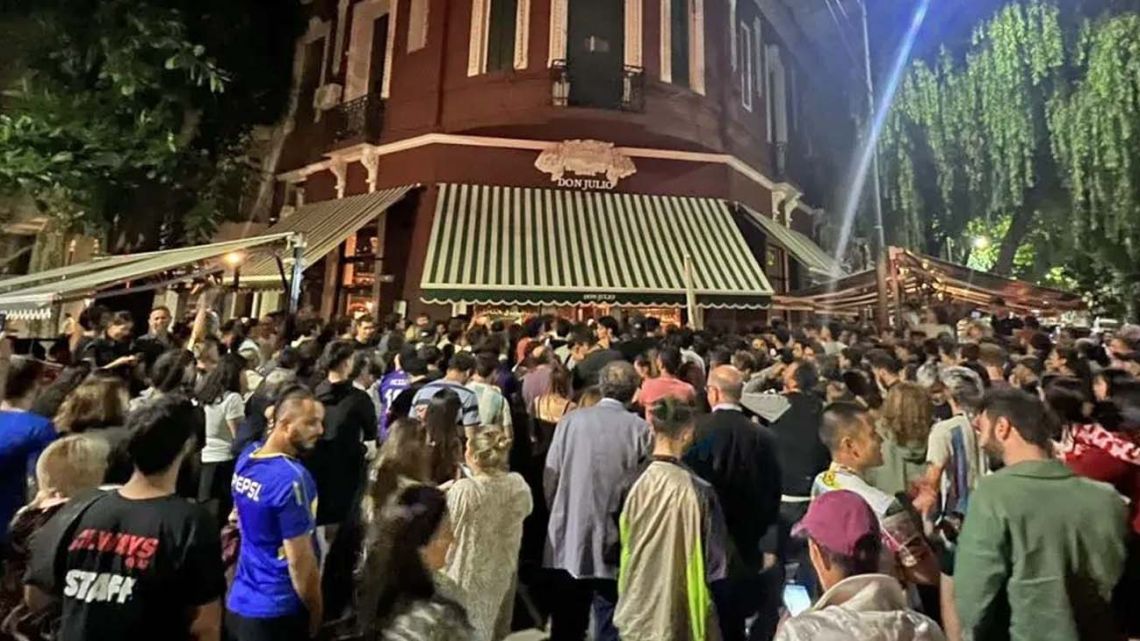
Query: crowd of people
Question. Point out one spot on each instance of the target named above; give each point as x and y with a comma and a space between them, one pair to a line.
295, 478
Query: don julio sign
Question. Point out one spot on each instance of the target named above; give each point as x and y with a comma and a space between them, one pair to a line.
585, 164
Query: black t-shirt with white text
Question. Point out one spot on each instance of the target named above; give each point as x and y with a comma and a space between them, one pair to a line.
133, 569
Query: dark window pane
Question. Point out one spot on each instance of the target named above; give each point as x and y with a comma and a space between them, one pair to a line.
501, 35
679, 41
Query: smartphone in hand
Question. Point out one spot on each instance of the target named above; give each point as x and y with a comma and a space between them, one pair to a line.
796, 598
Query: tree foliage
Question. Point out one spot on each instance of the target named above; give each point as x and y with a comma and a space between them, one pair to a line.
1030, 134
126, 113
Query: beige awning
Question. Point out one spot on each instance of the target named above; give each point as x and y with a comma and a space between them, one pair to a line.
69, 271
77, 284
324, 225
802, 248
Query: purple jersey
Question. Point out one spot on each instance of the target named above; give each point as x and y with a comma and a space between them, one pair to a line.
390, 387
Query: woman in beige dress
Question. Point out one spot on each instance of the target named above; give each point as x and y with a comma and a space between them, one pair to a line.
487, 509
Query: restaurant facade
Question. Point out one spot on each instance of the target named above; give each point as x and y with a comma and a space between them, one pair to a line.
569, 156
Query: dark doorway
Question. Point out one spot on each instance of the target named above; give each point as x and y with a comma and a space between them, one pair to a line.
379, 54
596, 52
310, 80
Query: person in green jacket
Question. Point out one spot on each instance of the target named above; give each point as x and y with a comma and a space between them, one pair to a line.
1041, 549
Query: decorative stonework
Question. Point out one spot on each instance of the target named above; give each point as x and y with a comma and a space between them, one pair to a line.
341, 19
558, 31
522, 34
340, 171
370, 158
633, 33
477, 44
328, 96
359, 70
785, 199
418, 25
318, 30
585, 159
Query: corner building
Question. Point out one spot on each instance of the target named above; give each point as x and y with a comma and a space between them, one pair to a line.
575, 156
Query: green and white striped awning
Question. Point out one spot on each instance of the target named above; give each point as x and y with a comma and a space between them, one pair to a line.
798, 245
522, 246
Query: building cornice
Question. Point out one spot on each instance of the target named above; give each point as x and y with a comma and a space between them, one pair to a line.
368, 152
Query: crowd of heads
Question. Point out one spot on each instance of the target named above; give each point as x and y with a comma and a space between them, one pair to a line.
1020, 388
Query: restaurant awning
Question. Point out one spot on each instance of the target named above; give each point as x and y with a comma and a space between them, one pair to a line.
69, 271
801, 248
922, 278
325, 225
522, 246
36, 301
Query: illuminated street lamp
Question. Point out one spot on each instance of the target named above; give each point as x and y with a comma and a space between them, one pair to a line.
234, 260
981, 242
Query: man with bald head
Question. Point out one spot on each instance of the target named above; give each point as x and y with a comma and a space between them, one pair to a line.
738, 458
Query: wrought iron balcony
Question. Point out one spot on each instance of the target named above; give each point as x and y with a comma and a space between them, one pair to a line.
358, 119
633, 89
624, 93
560, 77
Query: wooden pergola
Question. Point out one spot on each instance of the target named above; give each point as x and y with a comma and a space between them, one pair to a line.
916, 278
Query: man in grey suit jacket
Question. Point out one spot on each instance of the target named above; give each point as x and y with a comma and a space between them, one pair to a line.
593, 451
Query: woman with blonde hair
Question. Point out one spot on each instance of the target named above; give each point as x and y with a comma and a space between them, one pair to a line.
70, 466
487, 510
906, 418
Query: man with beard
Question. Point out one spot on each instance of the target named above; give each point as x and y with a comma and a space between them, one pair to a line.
276, 592
1042, 548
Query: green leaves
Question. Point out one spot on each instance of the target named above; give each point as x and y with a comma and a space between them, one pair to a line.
1039, 93
118, 104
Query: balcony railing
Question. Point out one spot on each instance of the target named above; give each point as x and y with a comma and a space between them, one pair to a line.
560, 77
632, 90
358, 119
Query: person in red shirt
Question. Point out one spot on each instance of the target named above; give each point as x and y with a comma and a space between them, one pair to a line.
667, 384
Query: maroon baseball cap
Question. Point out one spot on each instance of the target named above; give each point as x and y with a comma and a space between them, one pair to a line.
838, 520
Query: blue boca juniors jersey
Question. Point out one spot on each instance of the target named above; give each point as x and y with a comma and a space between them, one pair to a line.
276, 500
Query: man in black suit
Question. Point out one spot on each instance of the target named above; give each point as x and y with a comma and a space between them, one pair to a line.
738, 458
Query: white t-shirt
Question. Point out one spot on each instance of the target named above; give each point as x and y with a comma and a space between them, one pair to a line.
218, 435
940, 451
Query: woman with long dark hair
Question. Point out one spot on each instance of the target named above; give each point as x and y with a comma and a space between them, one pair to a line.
549, 408
443, 435
173, 371
1108, 450
222, 397
337, 462
403, 461
405, 547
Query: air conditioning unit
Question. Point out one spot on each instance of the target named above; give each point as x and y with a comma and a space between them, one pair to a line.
328, 96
